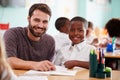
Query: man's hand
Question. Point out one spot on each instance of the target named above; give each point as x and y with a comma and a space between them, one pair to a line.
43, 65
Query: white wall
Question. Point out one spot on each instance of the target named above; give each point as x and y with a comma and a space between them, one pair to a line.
17, 16
67, 8
98, 11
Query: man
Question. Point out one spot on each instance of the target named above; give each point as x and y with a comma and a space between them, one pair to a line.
30, 47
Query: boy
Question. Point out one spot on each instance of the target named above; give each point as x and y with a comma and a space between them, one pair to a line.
77, 53
62, 39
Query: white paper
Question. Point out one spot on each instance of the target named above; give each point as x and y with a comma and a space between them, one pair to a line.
59, 71
78, 68
32, 78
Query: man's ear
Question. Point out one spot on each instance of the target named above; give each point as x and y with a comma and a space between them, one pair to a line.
28, 18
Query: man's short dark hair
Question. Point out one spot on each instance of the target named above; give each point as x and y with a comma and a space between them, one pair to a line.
40, 6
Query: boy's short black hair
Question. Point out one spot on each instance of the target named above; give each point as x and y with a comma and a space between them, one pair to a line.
113, 27
90, 24
60, 22
78, 18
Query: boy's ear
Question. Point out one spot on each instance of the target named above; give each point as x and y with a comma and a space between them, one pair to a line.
87, 31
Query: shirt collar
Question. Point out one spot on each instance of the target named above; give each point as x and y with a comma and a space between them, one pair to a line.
62, 34
78, 46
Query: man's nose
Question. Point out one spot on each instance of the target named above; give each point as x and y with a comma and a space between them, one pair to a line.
40, 24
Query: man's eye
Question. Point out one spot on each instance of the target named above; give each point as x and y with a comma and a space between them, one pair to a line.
45, 21
37, 20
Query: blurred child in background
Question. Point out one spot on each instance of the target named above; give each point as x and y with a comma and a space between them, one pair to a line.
90, 36
62, 24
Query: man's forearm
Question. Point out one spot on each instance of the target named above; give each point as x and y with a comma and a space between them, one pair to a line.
17, 63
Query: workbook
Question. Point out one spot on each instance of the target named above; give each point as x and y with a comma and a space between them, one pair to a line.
32, 78
62, 71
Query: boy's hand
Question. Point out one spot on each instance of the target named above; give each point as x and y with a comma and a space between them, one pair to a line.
70, 64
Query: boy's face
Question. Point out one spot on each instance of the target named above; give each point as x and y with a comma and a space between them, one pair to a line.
77, 32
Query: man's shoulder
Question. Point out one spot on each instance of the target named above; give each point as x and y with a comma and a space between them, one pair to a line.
15, 31
16, 28
48, 36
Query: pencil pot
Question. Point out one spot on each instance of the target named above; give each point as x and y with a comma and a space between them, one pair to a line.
93, 65
101, 75
101, 67
109, 47
108, 74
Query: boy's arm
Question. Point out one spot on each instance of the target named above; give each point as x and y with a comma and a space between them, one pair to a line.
72, 63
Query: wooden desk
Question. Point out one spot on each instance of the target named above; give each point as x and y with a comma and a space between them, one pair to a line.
81, 75
112, 55
112, 60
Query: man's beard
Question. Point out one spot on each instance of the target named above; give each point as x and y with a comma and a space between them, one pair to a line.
36, 34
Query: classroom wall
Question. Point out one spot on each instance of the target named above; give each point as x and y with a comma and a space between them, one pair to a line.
89, 9
17, 15
62, 8
82, 4
115, 8
99, 11
113, 11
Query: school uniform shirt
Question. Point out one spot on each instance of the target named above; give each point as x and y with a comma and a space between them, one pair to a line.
61, 40
79, 52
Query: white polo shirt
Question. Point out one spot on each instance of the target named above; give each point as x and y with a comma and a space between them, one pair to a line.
61, 40
79, 51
